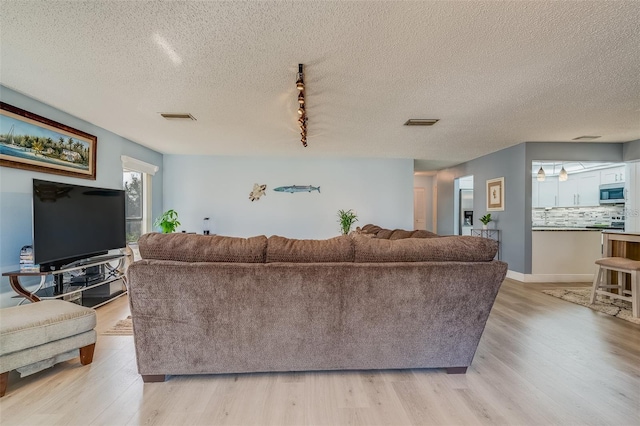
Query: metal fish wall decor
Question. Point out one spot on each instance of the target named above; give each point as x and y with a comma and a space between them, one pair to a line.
297, 188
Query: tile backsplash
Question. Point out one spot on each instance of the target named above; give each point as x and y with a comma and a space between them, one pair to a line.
577, 217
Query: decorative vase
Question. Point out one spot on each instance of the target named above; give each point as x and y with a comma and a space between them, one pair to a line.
485, 225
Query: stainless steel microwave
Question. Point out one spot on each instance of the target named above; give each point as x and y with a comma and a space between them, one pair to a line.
612, 193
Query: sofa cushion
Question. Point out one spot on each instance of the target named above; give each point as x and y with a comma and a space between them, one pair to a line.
423, 234
281, 249
384, 234
375, 231
400, 234
202, 248
27, 326
452, 248
369, 229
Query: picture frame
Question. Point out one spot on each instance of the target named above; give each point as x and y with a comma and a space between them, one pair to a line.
32, 142
495, 194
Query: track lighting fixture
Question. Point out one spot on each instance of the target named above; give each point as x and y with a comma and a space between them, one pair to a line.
302, 121
300, 80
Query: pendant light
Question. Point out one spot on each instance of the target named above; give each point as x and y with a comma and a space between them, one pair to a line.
541, 175
563, 176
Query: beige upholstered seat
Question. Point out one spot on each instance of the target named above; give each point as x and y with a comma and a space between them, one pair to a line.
622, 266
36, 336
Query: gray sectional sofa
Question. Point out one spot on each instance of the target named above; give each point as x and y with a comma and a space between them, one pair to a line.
212, 304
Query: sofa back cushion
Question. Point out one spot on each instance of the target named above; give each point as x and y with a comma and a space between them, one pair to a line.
400, 234
423, 234
453, 248
375, 231
202, 248
338, 249
370, 229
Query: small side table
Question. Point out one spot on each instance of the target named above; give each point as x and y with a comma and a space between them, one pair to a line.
493, 234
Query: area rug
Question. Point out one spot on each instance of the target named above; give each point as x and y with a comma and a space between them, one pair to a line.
122, 328
580, 296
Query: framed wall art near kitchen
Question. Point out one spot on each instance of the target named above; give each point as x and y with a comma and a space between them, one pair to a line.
31, 142
495, 194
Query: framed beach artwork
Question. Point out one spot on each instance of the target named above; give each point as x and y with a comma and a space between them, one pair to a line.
495, 194
31, 142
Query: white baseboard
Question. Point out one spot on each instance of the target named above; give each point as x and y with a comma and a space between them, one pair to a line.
515, 275
550, 278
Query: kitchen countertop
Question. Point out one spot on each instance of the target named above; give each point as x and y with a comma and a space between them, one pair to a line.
560, 228
620, 231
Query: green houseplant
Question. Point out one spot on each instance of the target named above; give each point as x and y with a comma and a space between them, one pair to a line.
168, 221
485, 220
346, 219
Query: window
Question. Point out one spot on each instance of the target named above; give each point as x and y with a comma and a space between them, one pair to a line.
134, 204
136, 181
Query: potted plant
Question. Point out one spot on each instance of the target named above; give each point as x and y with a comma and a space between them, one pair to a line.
168, 221
346, 219
485, 220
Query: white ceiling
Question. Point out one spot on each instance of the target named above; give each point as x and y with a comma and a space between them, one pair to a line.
495, 73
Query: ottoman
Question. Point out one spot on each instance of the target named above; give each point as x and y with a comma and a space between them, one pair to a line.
36, 336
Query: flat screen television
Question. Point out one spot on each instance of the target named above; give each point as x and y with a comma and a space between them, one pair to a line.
72, 222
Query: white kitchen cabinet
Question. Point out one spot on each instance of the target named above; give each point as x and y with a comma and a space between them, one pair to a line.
588, 189
568, 192
581, 189
534, 192
632, 191
548, 192
612, 175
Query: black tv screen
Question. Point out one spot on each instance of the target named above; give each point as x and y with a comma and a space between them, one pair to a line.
72, 222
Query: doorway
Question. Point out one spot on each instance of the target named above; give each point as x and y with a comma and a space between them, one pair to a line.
419, 209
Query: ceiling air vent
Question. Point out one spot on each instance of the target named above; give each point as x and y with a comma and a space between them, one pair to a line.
177, 116
585, 138
421, 122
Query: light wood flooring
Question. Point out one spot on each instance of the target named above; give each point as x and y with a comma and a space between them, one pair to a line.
541, 361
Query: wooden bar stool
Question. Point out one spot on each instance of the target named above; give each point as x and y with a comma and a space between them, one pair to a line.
622, 266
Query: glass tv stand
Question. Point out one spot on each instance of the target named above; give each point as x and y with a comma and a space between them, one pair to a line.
89, 282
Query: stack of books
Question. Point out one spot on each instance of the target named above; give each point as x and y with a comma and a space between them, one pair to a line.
26, 260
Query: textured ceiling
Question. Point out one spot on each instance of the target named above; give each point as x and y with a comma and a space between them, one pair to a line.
495, 73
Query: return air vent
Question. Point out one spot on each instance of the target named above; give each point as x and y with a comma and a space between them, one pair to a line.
177, 116
585, 138
421, 122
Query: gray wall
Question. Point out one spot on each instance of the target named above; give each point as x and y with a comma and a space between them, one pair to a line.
631, 151
514, 164
16, 185
507, 163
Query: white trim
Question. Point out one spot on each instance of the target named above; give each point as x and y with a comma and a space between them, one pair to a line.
146, 204
550, 278
136, 165
515, 276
